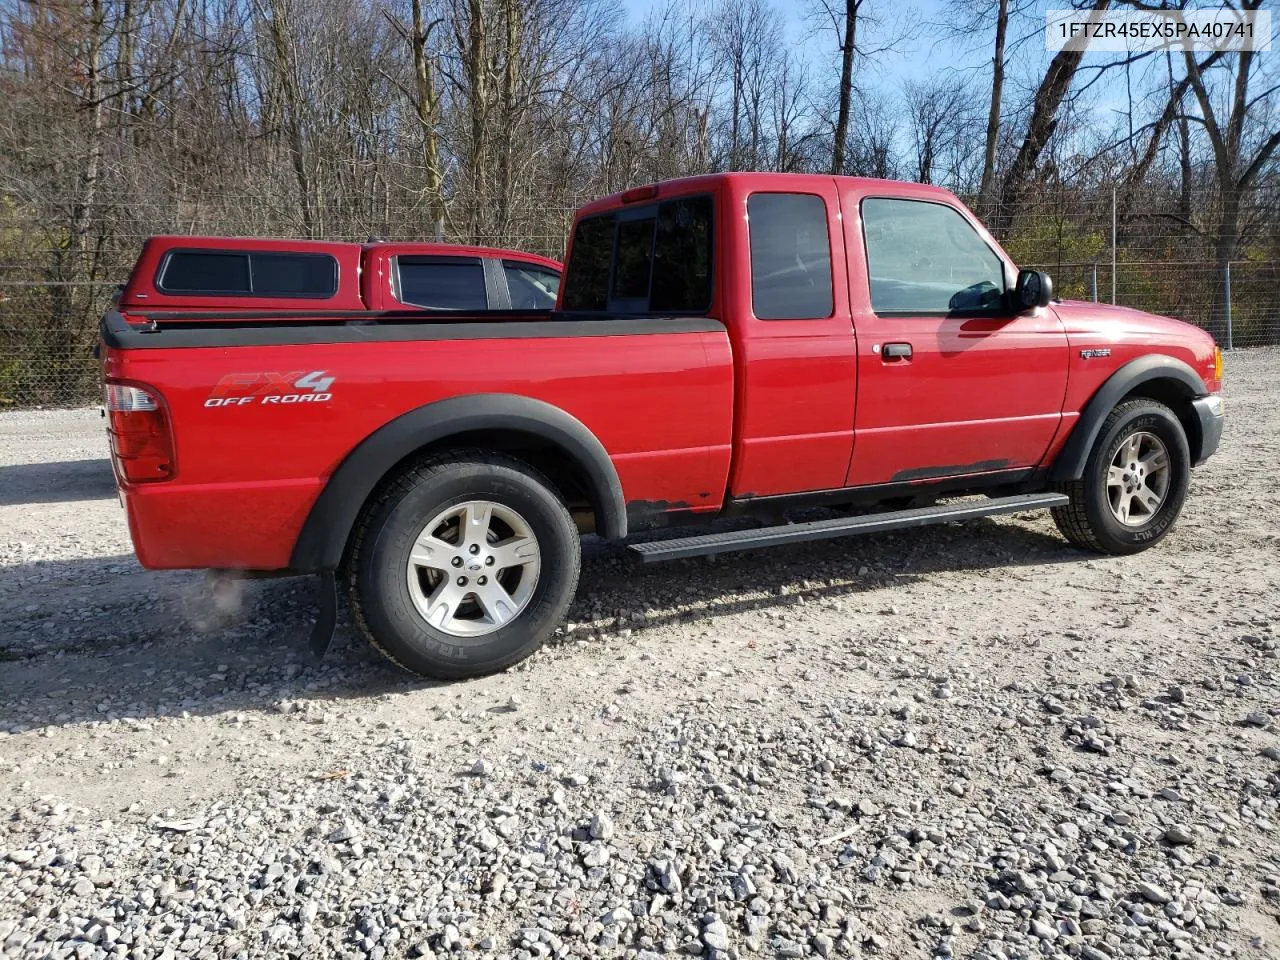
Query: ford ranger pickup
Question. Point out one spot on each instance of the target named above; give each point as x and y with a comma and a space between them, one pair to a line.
737, 344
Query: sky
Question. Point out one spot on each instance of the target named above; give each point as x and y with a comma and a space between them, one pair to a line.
931, 51
914, 61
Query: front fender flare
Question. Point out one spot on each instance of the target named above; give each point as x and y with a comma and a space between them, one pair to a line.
328, 526
1075, 453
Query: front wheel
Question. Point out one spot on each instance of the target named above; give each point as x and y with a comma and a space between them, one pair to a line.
1134, 482
464, 565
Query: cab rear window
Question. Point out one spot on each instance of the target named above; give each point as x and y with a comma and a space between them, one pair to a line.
248, 273
651, 259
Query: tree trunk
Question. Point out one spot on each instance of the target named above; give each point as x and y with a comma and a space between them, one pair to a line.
292, 115
427, 110
987, 190
510, 83
71, 272
925, 173
476, 65
1224, 250
1044, 120
846, 83
735, 124
1137, 172
1185, 208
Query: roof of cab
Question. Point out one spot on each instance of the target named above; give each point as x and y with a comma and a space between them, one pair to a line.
758, 180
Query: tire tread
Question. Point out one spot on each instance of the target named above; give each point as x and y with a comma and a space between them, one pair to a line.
1072, 520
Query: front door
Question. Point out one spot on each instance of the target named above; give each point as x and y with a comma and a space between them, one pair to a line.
951, 382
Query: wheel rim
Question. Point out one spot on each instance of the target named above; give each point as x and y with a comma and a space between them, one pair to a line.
1138, 479
473, 568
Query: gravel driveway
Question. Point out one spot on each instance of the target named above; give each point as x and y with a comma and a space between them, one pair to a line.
966, 740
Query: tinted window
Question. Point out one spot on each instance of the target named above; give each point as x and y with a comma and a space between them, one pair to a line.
192, 272
926, 258
442, 284
250, 274
293, 275
587, 284
660, 259
790, 256
532, 288
682, 256
633, 264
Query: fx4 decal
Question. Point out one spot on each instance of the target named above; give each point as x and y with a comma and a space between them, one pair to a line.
299, 386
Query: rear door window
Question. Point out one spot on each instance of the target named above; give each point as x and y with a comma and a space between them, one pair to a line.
248, 273
532, 288
790, 257
442, 283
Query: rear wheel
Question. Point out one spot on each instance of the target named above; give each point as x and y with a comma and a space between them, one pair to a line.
1134, 482
464, 565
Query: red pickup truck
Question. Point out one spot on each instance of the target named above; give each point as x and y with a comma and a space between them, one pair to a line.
731, 344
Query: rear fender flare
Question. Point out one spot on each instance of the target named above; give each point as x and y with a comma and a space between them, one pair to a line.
323, 539
1075, 453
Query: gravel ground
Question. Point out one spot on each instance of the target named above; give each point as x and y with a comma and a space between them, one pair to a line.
968, 740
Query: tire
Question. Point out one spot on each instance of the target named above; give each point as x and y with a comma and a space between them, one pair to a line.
407, 564
1099, 499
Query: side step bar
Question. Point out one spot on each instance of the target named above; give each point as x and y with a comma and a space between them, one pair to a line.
754, 539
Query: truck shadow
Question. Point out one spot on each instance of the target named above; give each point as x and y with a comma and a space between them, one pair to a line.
90, 640
61, 482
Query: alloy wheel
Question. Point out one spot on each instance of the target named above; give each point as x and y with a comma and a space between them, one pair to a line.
473, 568
1138, 479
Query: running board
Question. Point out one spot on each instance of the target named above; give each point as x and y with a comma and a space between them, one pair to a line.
756, 538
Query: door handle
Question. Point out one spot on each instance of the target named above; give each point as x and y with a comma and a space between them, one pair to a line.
896, 351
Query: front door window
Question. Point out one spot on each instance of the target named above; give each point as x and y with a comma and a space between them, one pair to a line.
925, 258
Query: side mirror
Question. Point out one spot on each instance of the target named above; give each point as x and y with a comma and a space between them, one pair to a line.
1034, 289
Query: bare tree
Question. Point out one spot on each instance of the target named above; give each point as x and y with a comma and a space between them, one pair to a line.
942, 123
276, 19
872, 144
1041, 124
1242, 148
745, 38
425, 98
844, 21
853, 23
993, 114
790, 117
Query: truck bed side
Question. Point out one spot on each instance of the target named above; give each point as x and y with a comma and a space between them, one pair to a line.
253, 452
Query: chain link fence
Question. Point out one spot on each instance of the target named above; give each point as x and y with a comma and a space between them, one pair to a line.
48, 328
1237, 303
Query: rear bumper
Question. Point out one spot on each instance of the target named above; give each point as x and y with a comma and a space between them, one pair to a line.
1210, 412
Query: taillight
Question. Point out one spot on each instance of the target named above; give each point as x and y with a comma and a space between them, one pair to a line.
1217, 369
141, 440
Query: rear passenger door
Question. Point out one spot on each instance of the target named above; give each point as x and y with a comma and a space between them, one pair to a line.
794, 348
